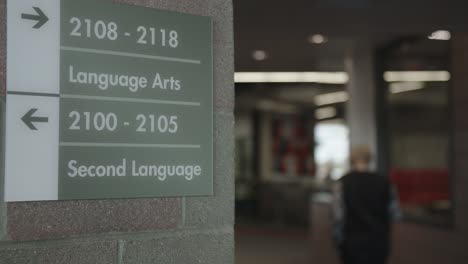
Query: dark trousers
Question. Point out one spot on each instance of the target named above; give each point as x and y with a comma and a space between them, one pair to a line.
363, 257
356, 252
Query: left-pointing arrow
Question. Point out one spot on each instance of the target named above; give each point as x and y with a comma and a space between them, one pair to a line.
29, 119
41, 18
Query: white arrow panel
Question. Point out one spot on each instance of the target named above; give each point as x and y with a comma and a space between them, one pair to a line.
33, 55
31, 169
33, 66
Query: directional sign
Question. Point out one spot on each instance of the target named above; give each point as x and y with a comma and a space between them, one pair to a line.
107, 101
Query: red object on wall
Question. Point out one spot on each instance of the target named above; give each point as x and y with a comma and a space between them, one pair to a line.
292, 147
421, 186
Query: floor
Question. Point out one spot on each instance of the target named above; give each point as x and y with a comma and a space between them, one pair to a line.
270, 245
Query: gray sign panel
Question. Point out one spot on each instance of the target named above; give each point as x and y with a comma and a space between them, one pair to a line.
134, 99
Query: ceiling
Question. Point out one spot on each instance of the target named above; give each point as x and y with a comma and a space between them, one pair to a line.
282, 28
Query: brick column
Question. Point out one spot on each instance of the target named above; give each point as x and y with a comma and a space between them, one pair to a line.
460, 142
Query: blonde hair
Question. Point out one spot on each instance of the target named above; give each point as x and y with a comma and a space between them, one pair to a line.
360, 153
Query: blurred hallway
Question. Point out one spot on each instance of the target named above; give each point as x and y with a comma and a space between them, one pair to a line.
310, 88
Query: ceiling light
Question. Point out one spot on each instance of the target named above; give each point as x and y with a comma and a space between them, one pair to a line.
417, 76
317, 39
291, 77
440, 35
331, 98
401, 87
325, 113
259, 55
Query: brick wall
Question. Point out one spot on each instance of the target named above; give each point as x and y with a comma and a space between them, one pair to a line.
124, 231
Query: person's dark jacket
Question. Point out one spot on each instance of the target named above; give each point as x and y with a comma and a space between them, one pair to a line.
364, 209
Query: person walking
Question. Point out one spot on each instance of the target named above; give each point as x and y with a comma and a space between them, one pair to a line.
365, 205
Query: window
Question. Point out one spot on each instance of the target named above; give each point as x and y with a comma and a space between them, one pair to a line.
416, 126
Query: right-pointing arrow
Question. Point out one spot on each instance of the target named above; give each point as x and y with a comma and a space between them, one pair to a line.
41, 18
29, 119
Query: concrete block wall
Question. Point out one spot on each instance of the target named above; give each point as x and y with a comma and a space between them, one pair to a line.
124, 231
